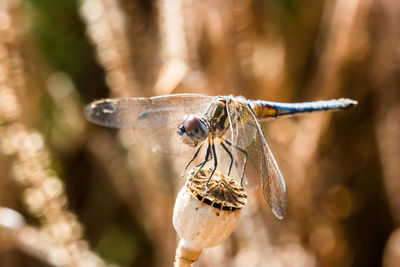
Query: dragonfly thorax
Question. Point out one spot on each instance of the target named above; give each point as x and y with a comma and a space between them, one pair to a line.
217, 117
192, 130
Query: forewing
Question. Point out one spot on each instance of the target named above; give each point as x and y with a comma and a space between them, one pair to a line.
154, 120
261, 169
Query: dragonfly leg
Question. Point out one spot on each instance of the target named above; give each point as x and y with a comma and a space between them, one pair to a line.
209, 158
204, 162
215, 165
245, 159
230, 155
194, 157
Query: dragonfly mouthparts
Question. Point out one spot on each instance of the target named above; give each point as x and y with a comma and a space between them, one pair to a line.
181, 130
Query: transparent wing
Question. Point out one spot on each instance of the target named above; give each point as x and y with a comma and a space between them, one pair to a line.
261, 169
154, 120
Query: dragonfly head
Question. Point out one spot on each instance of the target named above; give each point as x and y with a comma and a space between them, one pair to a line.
192, 130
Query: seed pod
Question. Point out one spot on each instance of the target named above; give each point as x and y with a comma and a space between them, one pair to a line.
205, 214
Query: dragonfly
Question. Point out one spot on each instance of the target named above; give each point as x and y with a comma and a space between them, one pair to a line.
185, 124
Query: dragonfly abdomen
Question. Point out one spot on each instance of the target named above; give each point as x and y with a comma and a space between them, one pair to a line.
268, 109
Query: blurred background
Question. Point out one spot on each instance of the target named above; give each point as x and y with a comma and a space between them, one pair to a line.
75, 194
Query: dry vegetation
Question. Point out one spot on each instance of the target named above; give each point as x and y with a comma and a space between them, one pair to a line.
73, 194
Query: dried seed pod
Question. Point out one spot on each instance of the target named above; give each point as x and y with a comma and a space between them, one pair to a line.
205, 216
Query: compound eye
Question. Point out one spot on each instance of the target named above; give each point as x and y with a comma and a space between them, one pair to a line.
191, 123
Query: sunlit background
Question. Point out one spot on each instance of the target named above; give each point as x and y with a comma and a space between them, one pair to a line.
75, 194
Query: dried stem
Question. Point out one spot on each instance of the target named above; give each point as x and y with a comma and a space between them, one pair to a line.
43, 191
